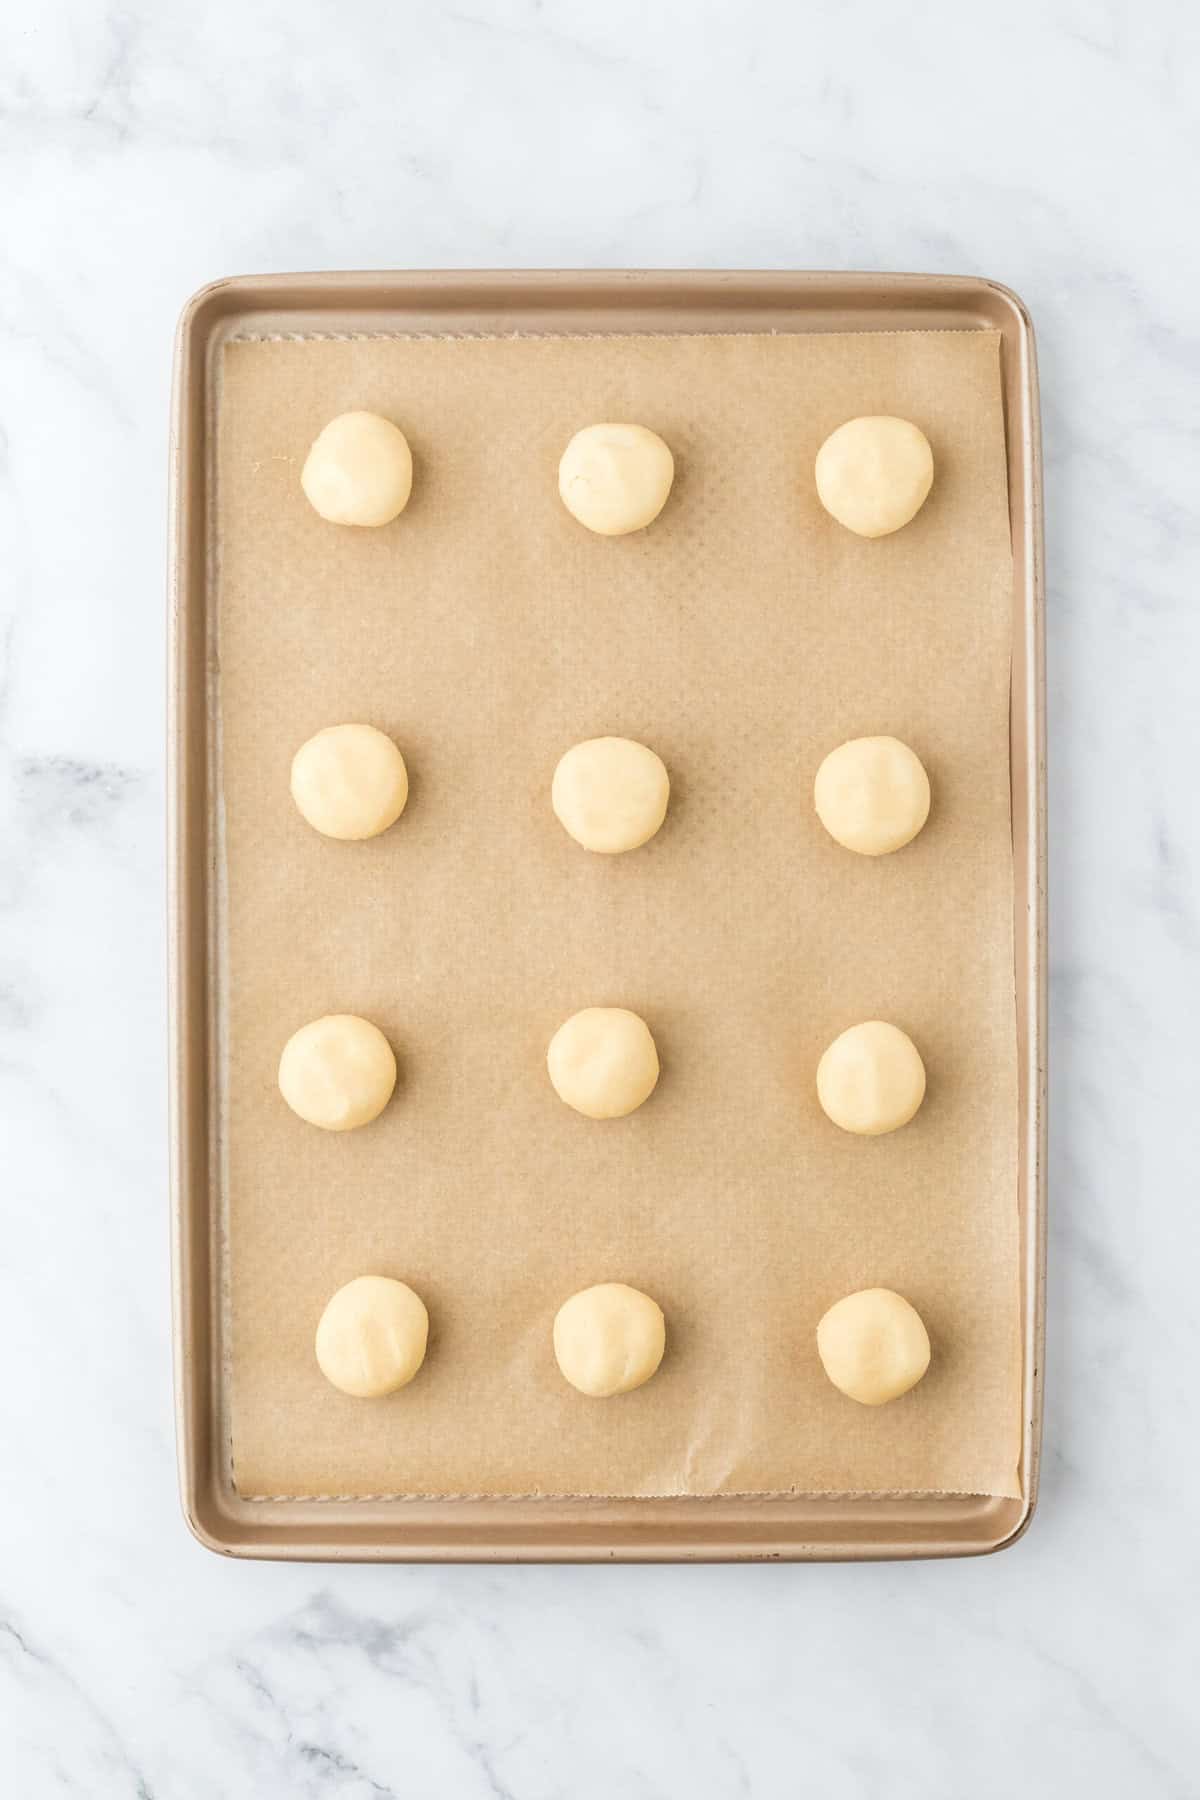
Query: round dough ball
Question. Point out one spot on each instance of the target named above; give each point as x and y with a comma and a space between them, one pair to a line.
609, 1339
873, 1345
602, 1062
349, 781
871, 1079
337, 1072
372, 1336
872, 795
359, 470
610, 794
874, 474
615, 478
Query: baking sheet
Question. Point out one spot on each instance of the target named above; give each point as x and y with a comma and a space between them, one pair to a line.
742, 636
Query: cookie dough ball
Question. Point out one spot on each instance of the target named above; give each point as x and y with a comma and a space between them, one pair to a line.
338, 1072
372, 1336
602, 1062
610, 794
359, 470
873, 474
615, 478
872, 795
871, 1079
349, 781
609, 1339
873, 1346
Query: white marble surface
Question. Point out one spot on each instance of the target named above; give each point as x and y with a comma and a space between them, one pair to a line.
146, 147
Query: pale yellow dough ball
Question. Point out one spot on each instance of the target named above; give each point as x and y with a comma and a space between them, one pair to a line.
609, 1339
873, 1346
872, 795
359, 470
610, 794
871, 1079
603, 1062
372, 1336
615, 478
874, 474
337, 1072
349, 781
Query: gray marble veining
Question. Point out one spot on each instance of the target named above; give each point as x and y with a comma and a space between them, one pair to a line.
147, 147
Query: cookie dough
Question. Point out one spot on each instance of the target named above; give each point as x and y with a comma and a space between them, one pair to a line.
872, 795
609, 1339
615, 478
337, 1072
372, 1336
871, 1079
874, 474
359, 470
873, 1345
349, 781
602, 1062
610, 794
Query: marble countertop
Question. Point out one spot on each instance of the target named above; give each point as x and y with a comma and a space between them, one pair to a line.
147, 147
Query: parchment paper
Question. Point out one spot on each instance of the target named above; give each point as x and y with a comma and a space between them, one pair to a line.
742, 636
